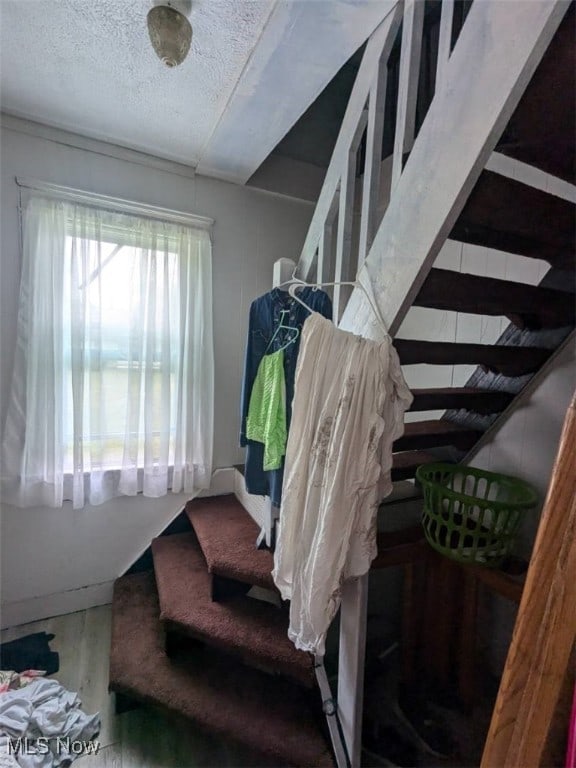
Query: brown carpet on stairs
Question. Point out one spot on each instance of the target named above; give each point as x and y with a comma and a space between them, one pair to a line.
271, 715
254, 630
227, 535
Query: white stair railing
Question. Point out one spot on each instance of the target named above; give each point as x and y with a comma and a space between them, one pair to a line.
336, 201
410, 55
479, 82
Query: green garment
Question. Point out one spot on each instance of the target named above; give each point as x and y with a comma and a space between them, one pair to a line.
266, 420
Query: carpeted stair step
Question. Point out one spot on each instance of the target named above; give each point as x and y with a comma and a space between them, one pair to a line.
268, 714
254, 630
227, 535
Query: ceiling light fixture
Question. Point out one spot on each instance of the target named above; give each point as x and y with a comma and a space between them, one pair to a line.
170, 31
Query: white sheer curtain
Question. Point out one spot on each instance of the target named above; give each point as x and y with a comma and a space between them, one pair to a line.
112, 390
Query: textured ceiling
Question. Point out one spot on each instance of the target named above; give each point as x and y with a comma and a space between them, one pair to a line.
88, 66
255, 66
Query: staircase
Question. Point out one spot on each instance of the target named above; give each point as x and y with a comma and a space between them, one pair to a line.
531, 219
228, 664
483, 157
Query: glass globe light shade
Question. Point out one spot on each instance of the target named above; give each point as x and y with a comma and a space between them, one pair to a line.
170, 34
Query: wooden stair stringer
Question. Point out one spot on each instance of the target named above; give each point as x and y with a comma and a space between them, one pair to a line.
522, 397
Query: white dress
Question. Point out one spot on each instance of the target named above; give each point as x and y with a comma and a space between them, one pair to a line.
349, 403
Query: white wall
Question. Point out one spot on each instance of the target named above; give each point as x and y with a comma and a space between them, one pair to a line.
527, 442
525, 446
46, 552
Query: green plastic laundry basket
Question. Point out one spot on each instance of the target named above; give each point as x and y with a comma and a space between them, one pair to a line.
471, 515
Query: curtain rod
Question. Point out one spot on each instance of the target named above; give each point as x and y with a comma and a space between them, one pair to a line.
116, 203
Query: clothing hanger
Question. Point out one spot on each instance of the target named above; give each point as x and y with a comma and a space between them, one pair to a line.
280, 327
355, 283
294, 281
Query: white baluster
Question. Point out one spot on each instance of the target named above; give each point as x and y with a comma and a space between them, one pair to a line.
444, 40
353, 114
373, 161
408, 84
352, 651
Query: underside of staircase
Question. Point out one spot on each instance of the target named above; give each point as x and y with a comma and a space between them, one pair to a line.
190, 636
512, 217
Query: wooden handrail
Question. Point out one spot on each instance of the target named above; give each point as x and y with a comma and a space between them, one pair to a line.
545, 630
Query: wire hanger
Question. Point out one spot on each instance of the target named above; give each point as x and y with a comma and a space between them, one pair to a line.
281, 326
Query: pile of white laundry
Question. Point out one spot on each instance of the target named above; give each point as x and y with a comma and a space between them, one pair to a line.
43, 726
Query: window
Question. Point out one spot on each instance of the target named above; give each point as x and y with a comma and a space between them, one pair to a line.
113, 381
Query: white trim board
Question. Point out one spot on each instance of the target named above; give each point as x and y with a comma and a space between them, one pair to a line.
521, 399
97, 146
105, 149
18, 612
256, 506
116, 203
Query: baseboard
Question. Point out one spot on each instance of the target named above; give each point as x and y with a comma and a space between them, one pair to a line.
79, 599
256, 506
44, 607
223, 481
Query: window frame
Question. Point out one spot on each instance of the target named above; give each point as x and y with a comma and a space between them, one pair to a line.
52, 488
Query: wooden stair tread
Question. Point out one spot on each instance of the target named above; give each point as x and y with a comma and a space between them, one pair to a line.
469, 398
507, 360
436, 432
270, 715
252, 629
405, 463
541, 131
544, 307
403, 467
230, 545
506, 215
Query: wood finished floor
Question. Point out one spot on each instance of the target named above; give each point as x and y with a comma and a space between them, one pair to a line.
142, 738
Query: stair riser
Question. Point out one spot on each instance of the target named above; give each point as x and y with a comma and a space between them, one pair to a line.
180, 635
271, 716
245, 564
245, 628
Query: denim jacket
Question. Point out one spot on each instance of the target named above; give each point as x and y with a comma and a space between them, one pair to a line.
264, 318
